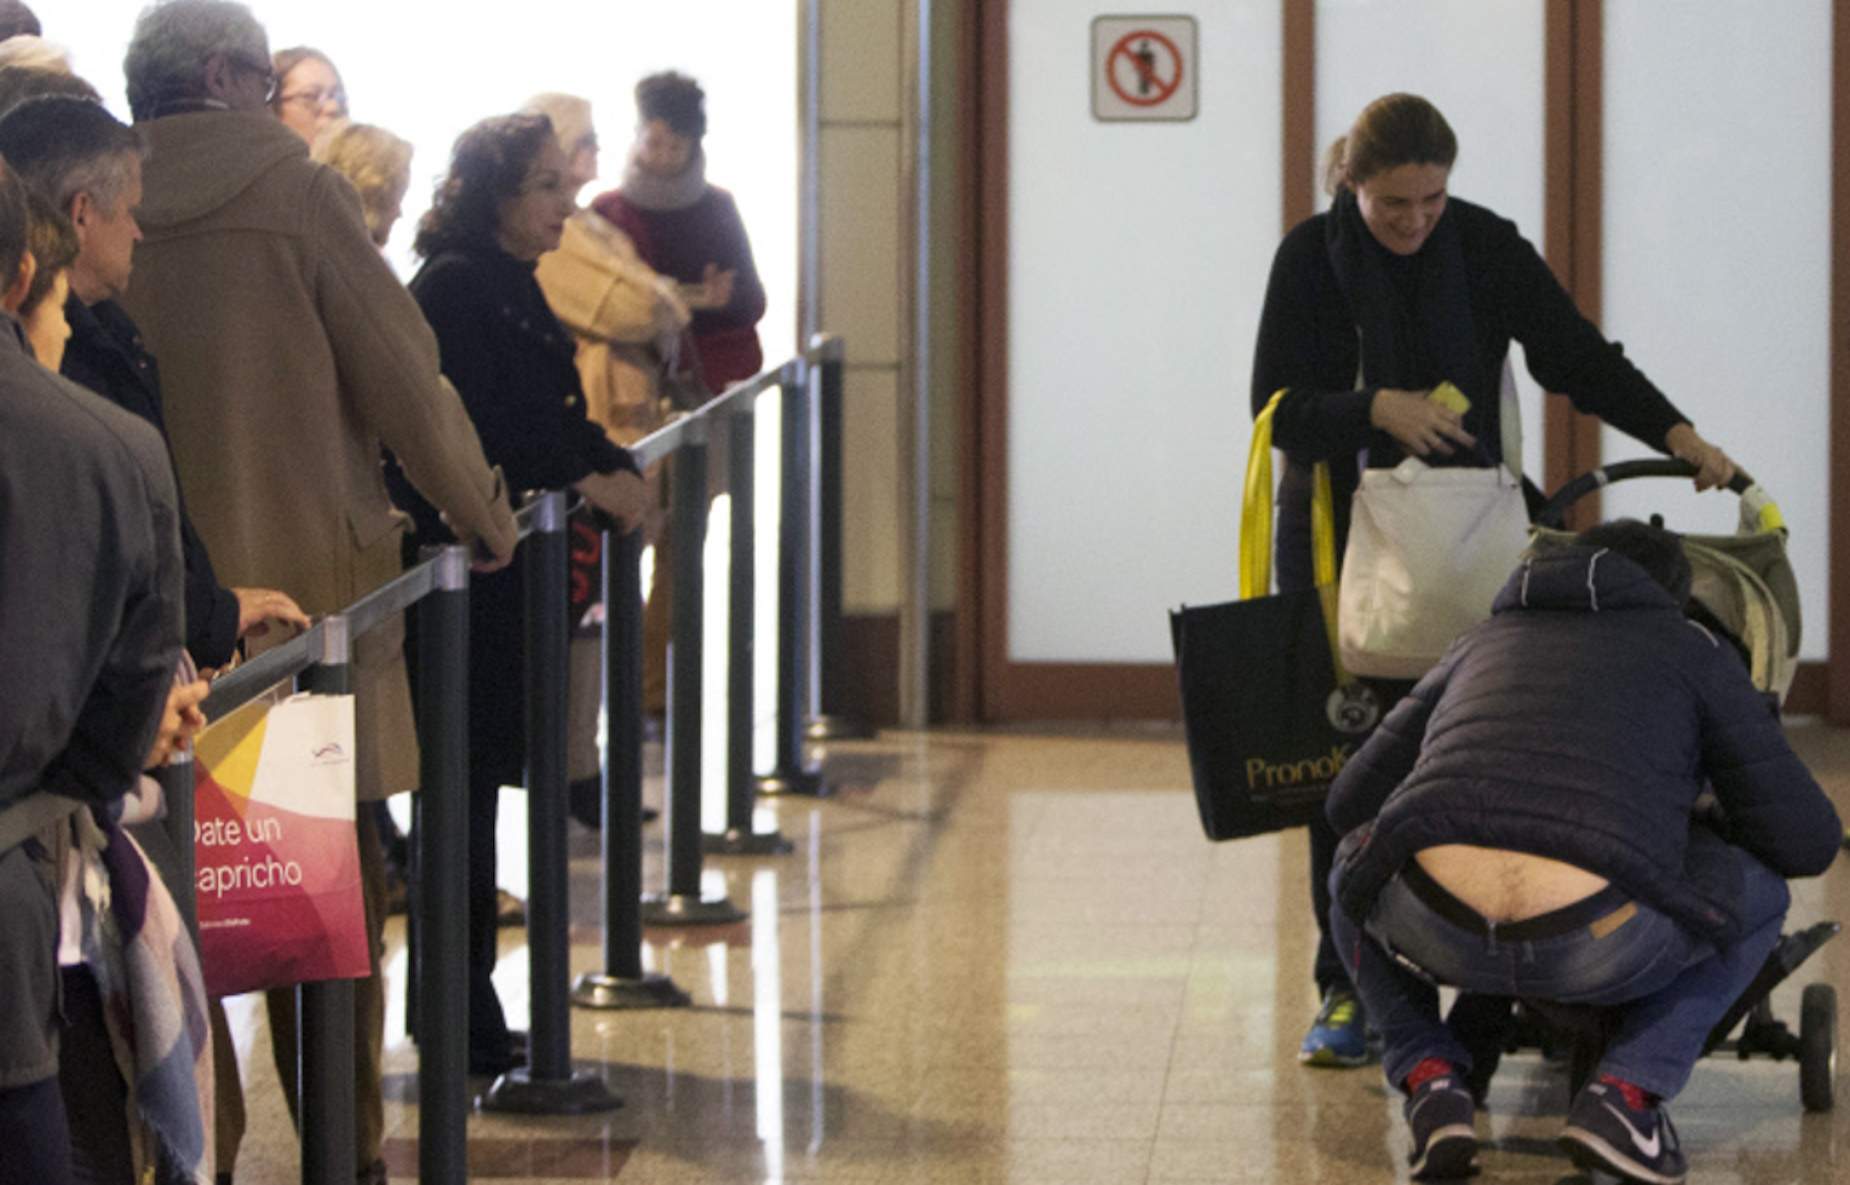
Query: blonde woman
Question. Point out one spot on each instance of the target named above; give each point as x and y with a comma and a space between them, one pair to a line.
629, 323
379, 165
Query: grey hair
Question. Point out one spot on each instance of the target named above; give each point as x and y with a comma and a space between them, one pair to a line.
105, 178
173, 41
62, 146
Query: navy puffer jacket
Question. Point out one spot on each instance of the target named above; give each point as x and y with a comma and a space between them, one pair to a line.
1581, 723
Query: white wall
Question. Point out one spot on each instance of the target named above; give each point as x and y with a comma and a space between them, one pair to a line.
1481, 62
1717, 262
428, 71
1138, 257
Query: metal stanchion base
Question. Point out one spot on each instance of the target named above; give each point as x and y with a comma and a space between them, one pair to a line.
517, 1093
681, 909
821, 729
805, 782
594, 990
736, 842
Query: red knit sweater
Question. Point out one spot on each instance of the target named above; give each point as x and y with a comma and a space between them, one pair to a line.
680, 244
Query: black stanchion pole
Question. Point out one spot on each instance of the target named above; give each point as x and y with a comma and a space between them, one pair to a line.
324, 1011
623, 984
791, 775
547, 1084
832, 721
177, 790
739, 838
440, 950
683, 905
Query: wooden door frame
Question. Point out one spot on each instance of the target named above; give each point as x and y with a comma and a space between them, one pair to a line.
995, 689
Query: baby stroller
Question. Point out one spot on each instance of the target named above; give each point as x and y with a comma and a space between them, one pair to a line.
1744, 591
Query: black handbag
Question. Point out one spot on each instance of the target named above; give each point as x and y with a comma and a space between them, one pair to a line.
1269, 715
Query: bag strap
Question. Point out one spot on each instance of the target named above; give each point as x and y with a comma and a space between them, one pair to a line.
31, 815
1509, 421
1256, 508
1256, 529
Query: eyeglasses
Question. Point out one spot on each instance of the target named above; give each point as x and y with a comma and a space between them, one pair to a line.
315, 98
261, 69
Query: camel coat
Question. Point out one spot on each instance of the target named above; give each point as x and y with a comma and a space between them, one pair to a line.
289, 354
619, 311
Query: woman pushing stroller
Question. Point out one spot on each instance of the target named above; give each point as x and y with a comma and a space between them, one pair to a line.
1396, 289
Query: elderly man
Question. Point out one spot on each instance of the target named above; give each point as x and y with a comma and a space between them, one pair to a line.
87, 164
290, 354
90, 630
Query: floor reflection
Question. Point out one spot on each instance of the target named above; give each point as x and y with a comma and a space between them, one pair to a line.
1012, 959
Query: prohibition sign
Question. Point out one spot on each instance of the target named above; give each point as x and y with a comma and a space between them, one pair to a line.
1153, 89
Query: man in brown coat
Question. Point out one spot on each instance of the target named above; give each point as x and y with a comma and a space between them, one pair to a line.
290, 353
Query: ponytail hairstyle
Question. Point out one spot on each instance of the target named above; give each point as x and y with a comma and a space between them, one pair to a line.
1394, 130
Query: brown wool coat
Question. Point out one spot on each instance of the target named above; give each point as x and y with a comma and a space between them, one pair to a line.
289, 354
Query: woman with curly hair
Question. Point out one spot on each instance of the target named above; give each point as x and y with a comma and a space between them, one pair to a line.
502, 206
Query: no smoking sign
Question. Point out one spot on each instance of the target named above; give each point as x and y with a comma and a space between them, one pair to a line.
1144, 68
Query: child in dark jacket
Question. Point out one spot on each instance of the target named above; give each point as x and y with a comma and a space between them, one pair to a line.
1523, 824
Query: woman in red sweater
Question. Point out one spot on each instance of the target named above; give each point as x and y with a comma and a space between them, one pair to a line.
689, 230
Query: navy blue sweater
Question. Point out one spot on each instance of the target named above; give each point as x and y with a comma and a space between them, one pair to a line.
1581, 723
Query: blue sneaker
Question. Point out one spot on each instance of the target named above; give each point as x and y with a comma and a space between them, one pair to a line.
1339, 1035
1604, 1133
1441, 1120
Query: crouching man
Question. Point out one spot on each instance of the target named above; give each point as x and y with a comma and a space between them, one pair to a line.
1521, 825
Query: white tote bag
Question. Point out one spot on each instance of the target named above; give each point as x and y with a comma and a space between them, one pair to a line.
1428, 551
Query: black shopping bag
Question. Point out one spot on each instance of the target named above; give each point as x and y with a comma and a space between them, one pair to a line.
1267, 726
1269, 715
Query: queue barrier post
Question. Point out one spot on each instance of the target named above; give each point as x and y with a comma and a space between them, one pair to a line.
440, 938
623, 984
324, 1010
792, 774
740, 837
682, 904
831, 719
547, 1084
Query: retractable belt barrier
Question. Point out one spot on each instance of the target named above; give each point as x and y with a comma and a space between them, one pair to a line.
320, 660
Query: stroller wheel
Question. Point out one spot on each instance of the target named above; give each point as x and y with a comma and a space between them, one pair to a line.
1817, 1045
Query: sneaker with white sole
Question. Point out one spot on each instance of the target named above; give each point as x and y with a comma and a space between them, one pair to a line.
1604, 1133
1443, 1122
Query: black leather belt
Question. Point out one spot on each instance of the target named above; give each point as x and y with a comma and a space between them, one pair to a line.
1602, 912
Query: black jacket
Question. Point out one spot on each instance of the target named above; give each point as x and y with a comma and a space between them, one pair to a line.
105, 354
1581, 723
1307, 343
514, 366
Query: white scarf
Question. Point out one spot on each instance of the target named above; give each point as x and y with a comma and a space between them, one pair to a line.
650, 192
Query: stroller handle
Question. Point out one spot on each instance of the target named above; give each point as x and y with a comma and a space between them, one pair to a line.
1553, 513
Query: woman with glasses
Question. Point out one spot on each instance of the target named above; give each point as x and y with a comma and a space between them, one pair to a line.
309, 94
503, 205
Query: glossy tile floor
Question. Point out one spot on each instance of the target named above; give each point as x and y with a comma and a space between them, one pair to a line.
1011, 957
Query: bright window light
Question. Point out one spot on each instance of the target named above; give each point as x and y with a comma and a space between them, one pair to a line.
427, 71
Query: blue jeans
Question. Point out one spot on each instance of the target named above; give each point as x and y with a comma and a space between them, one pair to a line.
1674, 985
